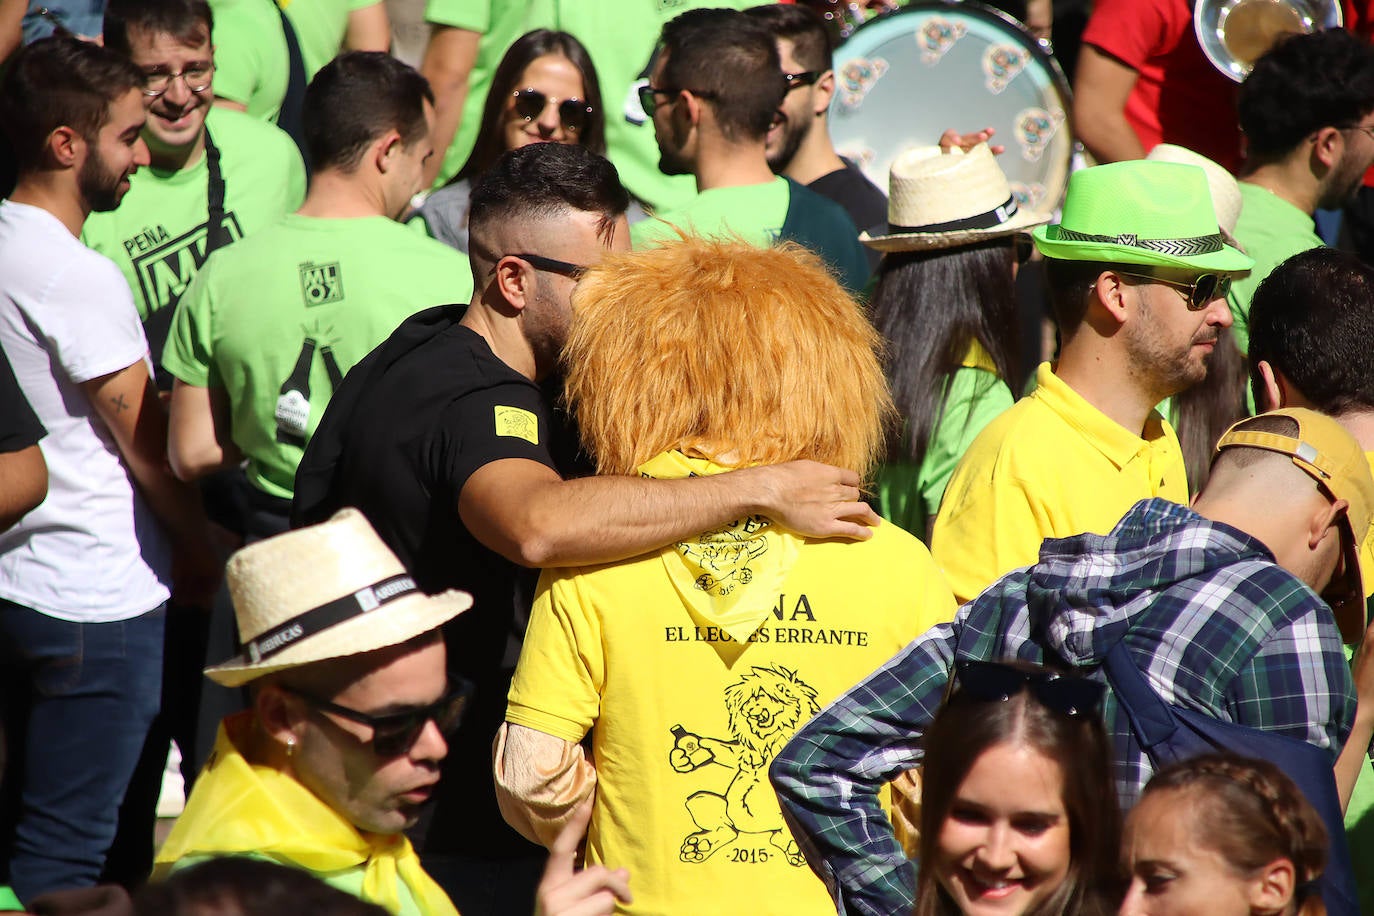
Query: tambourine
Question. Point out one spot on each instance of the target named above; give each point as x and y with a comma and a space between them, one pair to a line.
1236, 33
903, 78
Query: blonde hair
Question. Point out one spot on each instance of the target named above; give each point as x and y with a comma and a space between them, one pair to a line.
745, 355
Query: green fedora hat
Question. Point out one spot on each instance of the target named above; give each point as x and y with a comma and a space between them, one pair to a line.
1141, 212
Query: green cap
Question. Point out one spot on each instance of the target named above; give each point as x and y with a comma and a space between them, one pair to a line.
1141, 212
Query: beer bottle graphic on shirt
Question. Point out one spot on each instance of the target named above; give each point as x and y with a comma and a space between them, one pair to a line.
293, 402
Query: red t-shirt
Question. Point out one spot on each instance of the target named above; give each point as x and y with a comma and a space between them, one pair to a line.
1179, 96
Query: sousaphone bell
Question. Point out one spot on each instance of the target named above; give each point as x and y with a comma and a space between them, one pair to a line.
1236, 33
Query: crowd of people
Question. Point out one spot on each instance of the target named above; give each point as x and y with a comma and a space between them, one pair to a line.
555, 480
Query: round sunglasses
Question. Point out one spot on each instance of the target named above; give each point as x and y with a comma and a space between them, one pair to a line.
573, 114
394, 734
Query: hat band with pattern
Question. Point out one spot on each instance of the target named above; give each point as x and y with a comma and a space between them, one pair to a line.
1183, 248
991, 219
319, 619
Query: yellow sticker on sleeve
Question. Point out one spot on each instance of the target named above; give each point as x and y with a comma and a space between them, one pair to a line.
518, 423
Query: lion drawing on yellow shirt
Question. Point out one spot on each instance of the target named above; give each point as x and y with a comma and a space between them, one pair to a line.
765, 708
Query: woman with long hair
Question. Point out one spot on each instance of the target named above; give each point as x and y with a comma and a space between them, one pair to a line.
945, 301
544, 90
1222, 835
1018, 806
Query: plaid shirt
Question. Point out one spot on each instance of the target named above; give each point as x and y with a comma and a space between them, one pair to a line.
1205, 612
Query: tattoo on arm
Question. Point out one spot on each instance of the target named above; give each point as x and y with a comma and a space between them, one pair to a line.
120, 405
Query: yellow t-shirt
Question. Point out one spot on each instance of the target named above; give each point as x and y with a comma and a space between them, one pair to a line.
1050, 466
688, 717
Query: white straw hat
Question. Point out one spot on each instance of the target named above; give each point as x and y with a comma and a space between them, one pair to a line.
943, 198
1226, 199
321, 592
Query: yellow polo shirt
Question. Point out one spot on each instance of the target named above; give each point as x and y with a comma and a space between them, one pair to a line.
1052, 465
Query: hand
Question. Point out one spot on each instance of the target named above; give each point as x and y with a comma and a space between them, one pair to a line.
564, 891
816, 500
1040, 18
1362, 670
952, 138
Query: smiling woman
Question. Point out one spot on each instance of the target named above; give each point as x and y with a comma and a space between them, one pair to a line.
1018, 809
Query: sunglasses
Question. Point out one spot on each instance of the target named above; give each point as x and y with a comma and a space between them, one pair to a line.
395, 733
649, 103
552, 265
1199, 292
1024, 248
573, 114
807, 78
1063, 693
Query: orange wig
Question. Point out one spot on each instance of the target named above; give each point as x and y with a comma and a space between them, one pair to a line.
727, 351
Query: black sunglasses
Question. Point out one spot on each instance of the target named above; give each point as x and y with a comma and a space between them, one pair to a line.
1024, 247
805, 78
552, 265
649, 103
1199, 291
395, 733
1063, 693
573, 114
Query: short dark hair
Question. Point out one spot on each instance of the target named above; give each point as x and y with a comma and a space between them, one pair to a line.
1305, 83
490, 142
1068, 284
238, 884
354, 99
543, 180
1312, 319
60, 82
812, 45
731, 62
188, 20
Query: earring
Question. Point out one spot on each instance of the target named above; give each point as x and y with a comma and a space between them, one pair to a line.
291, 747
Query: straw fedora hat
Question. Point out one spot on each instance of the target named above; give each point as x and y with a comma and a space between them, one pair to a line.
321, 592
1226, 198
944, 198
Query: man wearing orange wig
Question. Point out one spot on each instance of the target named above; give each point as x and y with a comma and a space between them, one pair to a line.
697, 662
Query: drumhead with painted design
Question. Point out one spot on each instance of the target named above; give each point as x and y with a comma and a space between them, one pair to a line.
903, 78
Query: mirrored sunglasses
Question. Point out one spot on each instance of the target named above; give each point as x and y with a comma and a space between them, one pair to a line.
1199, 291
394, 734
998, 683
573, 114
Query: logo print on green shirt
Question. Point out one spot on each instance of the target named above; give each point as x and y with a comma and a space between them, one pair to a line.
321, 283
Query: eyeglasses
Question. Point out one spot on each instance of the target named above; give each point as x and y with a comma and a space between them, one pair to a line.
1367, 130
1200, 291
574, 114
197, 78
997, 683
552, 265
807, 78
649, 103
394, 734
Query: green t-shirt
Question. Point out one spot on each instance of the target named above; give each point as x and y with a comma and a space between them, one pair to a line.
320, 28
157, 234
1272, 230
499, 22
278, 319
252, 66
761, 214
909, 495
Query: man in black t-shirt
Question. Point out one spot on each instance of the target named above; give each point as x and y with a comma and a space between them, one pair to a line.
23, 472
799, 144
442, 437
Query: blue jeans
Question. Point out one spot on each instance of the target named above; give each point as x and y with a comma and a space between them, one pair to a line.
78, 699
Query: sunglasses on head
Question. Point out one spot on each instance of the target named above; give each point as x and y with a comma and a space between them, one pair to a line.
1199, 291
395, 733
997, 683
573, 114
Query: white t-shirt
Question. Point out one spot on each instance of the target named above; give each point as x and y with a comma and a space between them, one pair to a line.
92, 551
